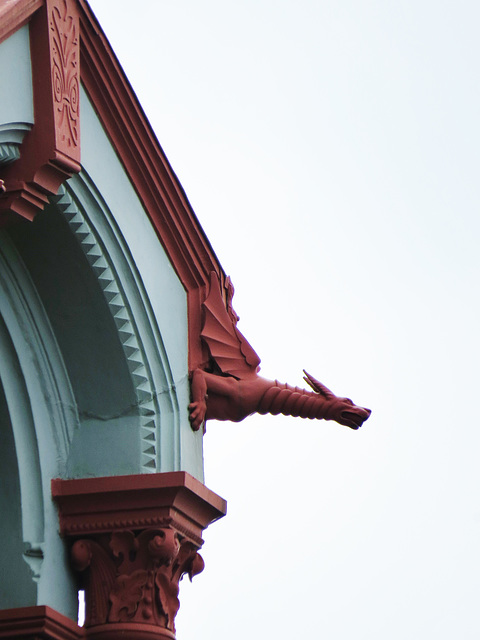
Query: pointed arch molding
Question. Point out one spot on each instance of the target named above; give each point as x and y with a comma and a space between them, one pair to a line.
50, 152
39, 397
129, 305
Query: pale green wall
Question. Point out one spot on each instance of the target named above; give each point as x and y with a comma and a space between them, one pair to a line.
70, 407
16, 584
42, 418
106, 441
165, 291
16, 104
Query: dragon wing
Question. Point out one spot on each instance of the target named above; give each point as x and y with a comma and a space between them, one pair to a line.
227, 345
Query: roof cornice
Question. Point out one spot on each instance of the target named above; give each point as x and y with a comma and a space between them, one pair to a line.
16, 13
142, 156
130, 133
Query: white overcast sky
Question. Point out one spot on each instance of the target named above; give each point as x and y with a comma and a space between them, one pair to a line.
330, 150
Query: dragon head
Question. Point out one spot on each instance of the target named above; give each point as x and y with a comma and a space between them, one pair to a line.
341, 410
345, 412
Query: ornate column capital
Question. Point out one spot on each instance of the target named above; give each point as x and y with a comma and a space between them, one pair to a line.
132, 539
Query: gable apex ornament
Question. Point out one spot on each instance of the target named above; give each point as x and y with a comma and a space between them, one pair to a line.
231, 389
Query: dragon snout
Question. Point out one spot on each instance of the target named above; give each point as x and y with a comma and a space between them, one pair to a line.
354, 417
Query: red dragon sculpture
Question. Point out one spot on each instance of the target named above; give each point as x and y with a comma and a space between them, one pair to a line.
232, 389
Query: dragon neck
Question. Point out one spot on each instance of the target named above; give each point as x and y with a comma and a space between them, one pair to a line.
294, 401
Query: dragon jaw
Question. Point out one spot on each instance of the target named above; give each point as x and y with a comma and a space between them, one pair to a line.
354, 417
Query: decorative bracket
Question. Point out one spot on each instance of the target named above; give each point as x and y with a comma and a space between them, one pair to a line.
51, 151
133, 538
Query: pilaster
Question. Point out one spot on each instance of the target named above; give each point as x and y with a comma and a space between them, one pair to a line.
132, 539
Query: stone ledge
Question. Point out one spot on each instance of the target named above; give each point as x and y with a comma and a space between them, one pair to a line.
175, 499
34, 623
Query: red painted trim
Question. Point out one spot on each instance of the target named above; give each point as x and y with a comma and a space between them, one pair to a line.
51, 150
126, 631
38, 622
143, 158
15, 14
45, 163
156, 184
42, 622
176, 499
130, 533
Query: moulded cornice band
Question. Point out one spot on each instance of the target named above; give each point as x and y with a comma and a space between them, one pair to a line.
38, 622
136, 502
16, 13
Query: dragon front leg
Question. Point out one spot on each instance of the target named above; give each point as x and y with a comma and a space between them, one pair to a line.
198, 406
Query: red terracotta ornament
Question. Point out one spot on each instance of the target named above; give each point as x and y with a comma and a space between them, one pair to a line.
133, 539
49, 155
134, 578
50, 152
38, 622
233, 390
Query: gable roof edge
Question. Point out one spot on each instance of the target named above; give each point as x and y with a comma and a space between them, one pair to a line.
143, 158
15, 14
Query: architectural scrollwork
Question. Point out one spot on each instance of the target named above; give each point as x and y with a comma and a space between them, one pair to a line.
131, 572
134, 578
65, 79
51, 152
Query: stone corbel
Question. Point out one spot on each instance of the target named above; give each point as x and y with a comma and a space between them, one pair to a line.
132, 539
50, 152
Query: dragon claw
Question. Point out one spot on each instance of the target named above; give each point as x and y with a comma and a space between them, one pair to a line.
197, 414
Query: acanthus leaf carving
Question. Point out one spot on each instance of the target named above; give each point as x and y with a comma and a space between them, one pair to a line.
134, 577
126, 594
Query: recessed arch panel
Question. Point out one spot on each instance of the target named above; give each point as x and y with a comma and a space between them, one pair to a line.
120, 281
38, 422
18, 528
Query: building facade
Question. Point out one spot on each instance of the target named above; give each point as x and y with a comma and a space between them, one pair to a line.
103, 271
